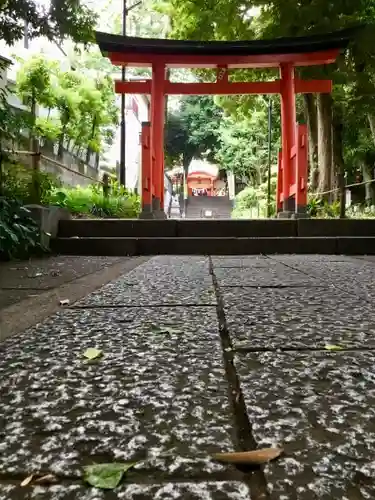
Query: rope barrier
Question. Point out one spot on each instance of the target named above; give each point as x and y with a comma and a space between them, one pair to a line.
346, 187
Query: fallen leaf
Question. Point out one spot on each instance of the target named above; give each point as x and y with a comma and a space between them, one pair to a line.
255, 457
333, 348
47, 479
64, 302
27, 480
92, 353
106, 476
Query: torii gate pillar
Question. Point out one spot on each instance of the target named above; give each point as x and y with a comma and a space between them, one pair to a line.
157, 137
288, 131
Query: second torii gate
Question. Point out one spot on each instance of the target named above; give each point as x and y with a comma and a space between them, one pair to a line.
284, 53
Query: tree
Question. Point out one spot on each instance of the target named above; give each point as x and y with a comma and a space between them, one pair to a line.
63, 18
244, 144
193, 131
352, 102
86, 108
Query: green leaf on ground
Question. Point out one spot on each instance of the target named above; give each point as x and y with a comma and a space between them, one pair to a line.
92, 353
333, 348
106, 476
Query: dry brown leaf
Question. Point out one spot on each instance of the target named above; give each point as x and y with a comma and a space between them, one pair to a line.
255, 457
47, 479
27, 480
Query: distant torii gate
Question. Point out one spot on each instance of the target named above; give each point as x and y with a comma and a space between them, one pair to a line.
282, 53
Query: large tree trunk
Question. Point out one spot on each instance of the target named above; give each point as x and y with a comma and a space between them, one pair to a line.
371, 120
324, 106
312, 126
369, 186
338, 162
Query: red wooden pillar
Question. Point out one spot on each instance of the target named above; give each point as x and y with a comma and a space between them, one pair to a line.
279, 189
146, 170
157, 131
288, 126
302, 169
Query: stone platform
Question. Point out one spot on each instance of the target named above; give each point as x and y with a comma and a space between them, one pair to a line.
200, 355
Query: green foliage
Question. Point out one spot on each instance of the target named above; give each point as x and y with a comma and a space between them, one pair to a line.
91, 201
251, 202
353, 75
17, 181
19, 234
63, 18
193, 131
244, 144
87, 111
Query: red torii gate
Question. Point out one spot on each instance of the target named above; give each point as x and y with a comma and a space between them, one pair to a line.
282, 53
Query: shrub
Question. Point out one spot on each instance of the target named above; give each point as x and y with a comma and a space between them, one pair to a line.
17, 180
19, 234
251, 202
91, 201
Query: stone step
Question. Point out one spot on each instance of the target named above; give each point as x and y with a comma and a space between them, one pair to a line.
224, 228
352, 245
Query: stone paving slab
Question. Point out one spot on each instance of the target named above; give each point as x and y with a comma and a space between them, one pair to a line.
164, 280
273, 276
321, 408
168, 491
352, 275
49, 272
298, 318
235, 261
20, 280
153, 396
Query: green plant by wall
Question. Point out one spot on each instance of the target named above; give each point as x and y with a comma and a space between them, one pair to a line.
19, 234
17, 181
91, 201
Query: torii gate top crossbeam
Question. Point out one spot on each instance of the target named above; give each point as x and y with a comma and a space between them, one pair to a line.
300, 51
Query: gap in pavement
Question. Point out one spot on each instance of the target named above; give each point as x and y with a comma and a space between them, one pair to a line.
245, 440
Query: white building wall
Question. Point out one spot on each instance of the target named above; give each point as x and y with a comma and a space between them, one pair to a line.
136, 113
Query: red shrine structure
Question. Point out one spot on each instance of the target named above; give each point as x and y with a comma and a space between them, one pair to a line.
284, 53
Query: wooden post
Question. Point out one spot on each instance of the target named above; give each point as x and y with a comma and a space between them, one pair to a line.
157, 130
105, 180
288, 124
302, 169
35, 177
146, 171
279, 189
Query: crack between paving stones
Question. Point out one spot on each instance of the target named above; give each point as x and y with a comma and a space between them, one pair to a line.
131, 478
290, 350
255, 480
274, 287
333, 285
128, 306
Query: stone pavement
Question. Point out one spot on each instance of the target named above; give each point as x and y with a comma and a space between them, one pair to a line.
200, 355
20, 280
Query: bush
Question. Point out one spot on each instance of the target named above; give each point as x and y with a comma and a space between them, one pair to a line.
19, 234
17, 182
251, 202
91, 201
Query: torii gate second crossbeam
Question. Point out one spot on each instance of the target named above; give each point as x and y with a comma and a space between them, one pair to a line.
283, 53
